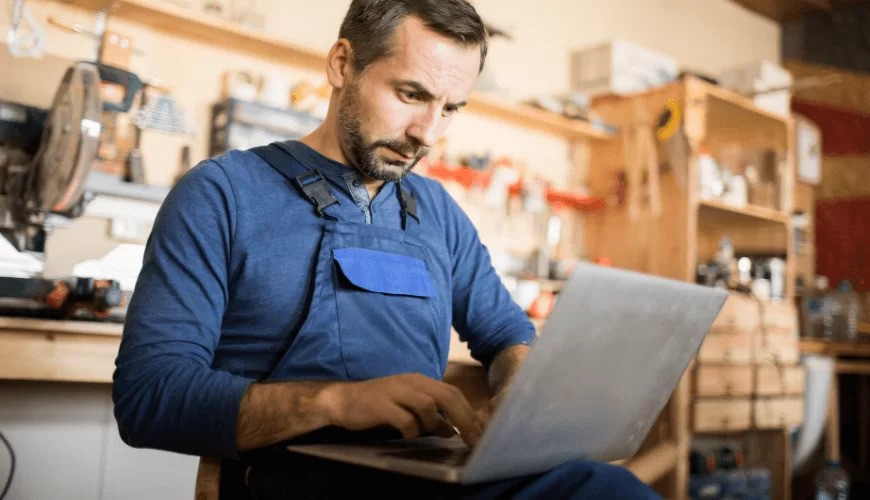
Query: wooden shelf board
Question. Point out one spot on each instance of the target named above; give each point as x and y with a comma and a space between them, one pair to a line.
211, 30
747, 213
743, 104
207, 29
534, 118
835, 347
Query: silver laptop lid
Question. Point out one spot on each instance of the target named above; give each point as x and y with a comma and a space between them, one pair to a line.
605, 364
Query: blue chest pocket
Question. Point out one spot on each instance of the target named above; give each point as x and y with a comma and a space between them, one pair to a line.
384, 272
386, 314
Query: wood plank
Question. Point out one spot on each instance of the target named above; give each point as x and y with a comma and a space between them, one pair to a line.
50, 326
655, 463
206, 29
834, 347
715, 211
852, 367
534, 118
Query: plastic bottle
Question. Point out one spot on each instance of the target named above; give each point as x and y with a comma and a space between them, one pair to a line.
832, 482
841, 313
813, 304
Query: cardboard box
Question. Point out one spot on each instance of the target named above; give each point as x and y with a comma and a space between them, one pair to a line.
767, 83
620, 67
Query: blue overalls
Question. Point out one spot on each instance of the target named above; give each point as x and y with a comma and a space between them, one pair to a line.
373, 284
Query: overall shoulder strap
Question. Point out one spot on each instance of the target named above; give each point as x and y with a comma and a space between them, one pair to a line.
312, 185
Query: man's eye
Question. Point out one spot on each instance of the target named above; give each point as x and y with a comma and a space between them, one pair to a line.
449, 110
410, 95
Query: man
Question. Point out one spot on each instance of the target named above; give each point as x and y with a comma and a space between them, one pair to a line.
312, 285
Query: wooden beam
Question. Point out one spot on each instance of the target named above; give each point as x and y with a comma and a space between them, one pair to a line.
785, 10
655, 463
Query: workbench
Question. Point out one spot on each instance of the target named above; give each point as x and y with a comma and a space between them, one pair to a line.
58, 351
850, 358
83, 351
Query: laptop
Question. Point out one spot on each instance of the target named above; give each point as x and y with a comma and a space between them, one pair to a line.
602, 369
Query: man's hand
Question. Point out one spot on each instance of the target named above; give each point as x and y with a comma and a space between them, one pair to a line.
501, 373
413, 404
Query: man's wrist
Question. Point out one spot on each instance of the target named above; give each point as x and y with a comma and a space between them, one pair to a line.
327, 402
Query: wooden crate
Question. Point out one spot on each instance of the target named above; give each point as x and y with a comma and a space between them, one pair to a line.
739, 314
775, 349
726, 348
780, 318
723, 380
771, 380
774, 413
718, 415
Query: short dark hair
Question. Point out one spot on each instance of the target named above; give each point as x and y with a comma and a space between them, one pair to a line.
369, 25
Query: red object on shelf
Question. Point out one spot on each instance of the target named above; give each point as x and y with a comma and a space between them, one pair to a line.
469, 177
577, 201
465, 176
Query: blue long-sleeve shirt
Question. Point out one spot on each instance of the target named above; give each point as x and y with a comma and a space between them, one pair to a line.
225, 284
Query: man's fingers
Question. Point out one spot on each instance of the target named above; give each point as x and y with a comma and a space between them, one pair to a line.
404, 421
423, 406
453, 405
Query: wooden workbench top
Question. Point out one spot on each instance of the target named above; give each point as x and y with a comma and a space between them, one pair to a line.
10, 323
83, 351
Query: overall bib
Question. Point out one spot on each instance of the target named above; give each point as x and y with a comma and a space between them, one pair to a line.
377, 308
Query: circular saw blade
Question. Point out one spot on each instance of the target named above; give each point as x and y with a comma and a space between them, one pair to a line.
69, 141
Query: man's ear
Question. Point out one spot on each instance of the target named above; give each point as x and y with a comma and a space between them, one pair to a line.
338, 63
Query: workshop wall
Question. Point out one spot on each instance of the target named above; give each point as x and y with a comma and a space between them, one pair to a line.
704, 35
534, 62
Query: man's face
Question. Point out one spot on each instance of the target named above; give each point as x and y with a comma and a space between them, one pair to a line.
392, 113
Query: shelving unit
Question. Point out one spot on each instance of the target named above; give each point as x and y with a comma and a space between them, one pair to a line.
659, 224
715, 210
170, 19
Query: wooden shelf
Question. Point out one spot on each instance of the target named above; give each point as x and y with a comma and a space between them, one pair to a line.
732, 118
534, 118
835, 347
206, 29
741, 104
203, 28
721, 210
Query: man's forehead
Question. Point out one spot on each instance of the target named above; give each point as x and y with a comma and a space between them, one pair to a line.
430, 58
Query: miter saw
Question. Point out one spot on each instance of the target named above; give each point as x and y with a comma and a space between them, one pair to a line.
45, 160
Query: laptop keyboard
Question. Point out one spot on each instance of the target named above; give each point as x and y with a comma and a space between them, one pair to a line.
446, 456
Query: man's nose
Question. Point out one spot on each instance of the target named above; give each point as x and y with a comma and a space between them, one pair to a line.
426, 126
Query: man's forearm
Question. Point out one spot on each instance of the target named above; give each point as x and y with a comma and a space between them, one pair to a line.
273, 412
505, 366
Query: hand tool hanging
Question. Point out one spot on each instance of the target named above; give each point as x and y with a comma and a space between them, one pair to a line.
29, 42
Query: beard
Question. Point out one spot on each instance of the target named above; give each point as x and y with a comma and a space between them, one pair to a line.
361, 152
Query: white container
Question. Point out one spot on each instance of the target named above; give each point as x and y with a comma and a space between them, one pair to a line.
620, 67
767, 83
